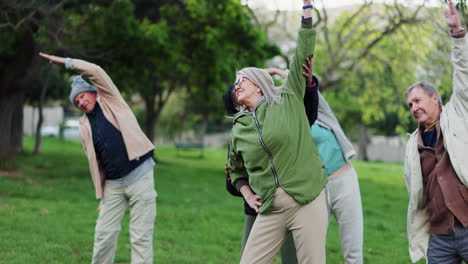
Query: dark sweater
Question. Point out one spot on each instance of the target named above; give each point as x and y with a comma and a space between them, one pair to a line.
110, 148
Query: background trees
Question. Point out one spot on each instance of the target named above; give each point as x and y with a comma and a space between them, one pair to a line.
20, 22
367, 55
190, 50
150, 49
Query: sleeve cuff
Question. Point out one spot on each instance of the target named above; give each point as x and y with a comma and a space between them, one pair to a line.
69, 63
314, 83
459, 34
241, 182
306, 23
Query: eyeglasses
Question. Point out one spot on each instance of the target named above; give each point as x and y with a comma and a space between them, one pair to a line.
239, 82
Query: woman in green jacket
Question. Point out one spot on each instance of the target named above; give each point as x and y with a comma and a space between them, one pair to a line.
274, 162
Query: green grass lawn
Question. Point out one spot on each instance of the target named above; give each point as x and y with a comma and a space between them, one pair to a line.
48, 210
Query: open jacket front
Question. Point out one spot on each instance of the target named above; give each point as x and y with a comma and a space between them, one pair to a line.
117, 111
454, 126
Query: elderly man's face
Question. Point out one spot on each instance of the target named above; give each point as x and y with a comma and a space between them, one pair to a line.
424, 108
86, 101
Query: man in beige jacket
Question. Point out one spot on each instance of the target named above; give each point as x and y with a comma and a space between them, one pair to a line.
120, 161
436, 162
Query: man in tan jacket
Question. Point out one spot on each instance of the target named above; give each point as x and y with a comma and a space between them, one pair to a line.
436, 163
120, 161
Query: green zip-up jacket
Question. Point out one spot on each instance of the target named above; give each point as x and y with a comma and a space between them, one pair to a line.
271, 146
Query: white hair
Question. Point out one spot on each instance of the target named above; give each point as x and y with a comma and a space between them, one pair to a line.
427, 87
263, 80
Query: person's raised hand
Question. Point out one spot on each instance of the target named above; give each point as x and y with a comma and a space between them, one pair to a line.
52, 58
452, 18
308, 74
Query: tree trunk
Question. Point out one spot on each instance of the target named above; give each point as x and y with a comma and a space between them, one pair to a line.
37, 145
362, 155
11, 122
13, 83
203, 127
181, 129
154, 103
150, 116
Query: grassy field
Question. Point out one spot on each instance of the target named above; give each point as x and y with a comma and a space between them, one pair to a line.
48, 210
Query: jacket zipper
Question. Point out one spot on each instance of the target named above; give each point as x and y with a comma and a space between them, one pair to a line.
275, 175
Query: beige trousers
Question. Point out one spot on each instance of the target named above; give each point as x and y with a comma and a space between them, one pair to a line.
141, 197
308, 224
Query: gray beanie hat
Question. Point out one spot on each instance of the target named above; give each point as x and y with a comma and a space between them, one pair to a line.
79, 85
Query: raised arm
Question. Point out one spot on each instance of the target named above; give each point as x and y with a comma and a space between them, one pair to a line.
307, 9
459, 57
311, 99
99, 78
305, 48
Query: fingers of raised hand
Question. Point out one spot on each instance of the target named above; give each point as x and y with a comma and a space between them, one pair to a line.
51, 58
451, 10
44, 55
451, 5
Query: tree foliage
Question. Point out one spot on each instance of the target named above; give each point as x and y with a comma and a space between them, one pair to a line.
149, 47
368, 55
19, 24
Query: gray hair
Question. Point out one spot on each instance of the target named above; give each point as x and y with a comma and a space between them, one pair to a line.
263, 80
427, 87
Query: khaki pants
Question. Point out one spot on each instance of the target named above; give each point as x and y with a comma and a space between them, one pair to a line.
141, 197
288, 250
308, 224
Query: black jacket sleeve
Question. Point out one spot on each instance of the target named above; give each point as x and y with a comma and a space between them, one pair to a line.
231, 188
311, 102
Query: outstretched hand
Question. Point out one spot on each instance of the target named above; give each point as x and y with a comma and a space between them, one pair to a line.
52, 58
452, 18
308, 74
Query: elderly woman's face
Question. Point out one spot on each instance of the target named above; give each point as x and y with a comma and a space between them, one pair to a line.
245, 92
